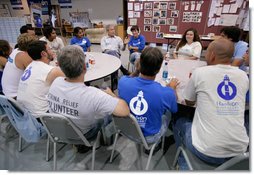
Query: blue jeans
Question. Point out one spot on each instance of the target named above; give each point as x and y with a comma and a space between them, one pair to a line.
164, 126
92, 133
134, 56
182, 135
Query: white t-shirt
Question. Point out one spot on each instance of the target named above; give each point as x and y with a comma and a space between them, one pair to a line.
194, 49
33, 88
56, 45
82, 104
11, 76
111, 43
218, 125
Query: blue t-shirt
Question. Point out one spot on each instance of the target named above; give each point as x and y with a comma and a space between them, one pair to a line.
139, 42
240, 49
148, 101
83, 42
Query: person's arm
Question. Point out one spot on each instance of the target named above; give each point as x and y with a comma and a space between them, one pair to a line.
238, 55
190, 91
3, 61
196, 51
88, 44
22, 60
103, 44
125, 42
137, 69
142, 43
53, 74
173, 84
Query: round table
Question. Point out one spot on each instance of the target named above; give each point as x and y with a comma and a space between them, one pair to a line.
180, 69
104, 66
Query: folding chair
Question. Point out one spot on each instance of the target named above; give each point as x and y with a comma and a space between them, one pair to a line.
239, 162
129, 127
60, 129
12, 107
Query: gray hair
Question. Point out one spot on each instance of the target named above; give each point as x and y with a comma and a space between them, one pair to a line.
71, 60
108, 26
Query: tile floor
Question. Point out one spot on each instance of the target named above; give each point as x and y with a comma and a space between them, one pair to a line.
32, 158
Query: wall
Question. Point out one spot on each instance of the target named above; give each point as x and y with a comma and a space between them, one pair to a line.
17, 13
99, 10
179, 21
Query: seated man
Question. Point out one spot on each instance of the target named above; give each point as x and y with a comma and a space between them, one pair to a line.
37, 78
86, 106
147, 99
136, 44
112, 44
16, 64
217, 131
233, 34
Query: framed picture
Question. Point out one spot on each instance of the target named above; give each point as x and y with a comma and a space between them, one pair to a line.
159, 35
155, 21
174, 13
173, 28
148, 5
156, 28
171, 5
162, 21
156, 5
163, 13
147, 28
148, 13
170, 21
156, 13
163, 5
147, 20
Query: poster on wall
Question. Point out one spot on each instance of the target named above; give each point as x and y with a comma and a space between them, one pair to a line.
16, 4
65, 3
44, 5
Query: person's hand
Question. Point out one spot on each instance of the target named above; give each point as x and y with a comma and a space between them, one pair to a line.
126, 40
173, 83
109, 91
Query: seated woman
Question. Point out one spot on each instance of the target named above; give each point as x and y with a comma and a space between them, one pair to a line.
189, 48
5, 51
136, 44
80, 39
55, 43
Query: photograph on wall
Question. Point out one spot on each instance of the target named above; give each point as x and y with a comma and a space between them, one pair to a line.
133, 21
170, 21
156, 13
148, 5
162, 21
147, 28
163, 5
155, 21
174, 13
148, 13
171, 5
159, 35
147, 21
136, 14
192, 17
156, 5
163, 13
173, 28
156, 28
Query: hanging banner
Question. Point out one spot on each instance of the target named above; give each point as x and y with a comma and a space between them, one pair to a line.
16, 5
65, 3
44, 5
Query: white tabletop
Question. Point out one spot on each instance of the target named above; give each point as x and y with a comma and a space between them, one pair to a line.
181, 70
104, 65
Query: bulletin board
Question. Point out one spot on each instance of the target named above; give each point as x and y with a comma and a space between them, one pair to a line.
155, 18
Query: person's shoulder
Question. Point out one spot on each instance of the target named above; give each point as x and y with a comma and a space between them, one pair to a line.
43, 38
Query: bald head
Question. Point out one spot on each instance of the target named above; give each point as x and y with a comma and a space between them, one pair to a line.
222, 49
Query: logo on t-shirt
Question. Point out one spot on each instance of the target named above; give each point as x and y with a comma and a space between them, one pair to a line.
138, 104
226, 89
26, 74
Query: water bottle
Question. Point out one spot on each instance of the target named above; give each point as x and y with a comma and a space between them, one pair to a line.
87, 62
165, 71
167, 56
